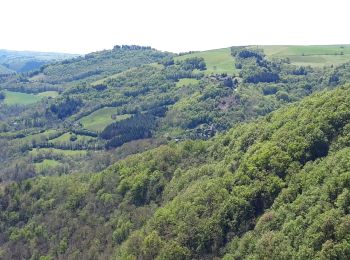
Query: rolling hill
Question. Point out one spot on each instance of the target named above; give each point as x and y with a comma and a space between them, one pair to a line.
276, 187
135, 153
128, 99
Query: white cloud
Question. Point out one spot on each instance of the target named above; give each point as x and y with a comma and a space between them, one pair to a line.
176, 25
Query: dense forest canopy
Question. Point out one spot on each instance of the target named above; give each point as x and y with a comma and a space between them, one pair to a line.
134, 153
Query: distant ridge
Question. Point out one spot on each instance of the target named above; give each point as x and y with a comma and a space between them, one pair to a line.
23, 61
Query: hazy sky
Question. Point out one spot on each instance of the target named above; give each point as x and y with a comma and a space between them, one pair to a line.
81, 26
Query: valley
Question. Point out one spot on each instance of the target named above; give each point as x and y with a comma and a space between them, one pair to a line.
134, 153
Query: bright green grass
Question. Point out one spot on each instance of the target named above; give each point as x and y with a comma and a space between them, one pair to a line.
101, 118
218, 61
185, 82
313, 55
38, 137
51, 94
46, 164
37, 151
65, 138
18, 98
280, 50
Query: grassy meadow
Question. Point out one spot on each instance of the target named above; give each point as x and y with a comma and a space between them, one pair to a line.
217, 61
99, 119
312, 55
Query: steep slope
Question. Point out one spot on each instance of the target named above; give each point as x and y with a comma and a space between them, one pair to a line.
131, 98
273, 188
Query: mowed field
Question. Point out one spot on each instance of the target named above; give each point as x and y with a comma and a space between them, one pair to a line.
51, 94
186, 81
19, 98
46, 164
101, 118
55, 151
220, 60
310, 55
217, 61
66, 138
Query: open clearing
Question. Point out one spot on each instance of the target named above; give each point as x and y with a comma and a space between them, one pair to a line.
51, 94
313, 55
18, 98
37, 151
218, 61
46, 164
101, 118
186, 81
66, 138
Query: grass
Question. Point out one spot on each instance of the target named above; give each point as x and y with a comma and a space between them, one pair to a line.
46, 164
312, 55
37, 151
185, 82
65, 138
51, 94
18, 98
101, 118
38, 137
218, 61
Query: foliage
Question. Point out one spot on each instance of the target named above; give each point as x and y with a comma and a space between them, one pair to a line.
276, 187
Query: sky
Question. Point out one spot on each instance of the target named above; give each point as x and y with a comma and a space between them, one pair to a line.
82, 26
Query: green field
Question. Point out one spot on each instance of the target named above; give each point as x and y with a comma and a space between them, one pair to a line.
51, 94
37, 151
101, 118
66, 138
221, 61
18, 98
46, 135
217, 61
313, 55
46, 164
185, 82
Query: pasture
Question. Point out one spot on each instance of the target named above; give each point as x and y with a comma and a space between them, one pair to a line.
101, 118
218, 61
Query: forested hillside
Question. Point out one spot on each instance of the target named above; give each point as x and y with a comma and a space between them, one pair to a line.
83, 114
273, 188
135, 153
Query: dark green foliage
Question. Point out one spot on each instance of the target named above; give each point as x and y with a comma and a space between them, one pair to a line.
137, 127
66, 107
100, 87
168, 61
254, 68
193, 63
